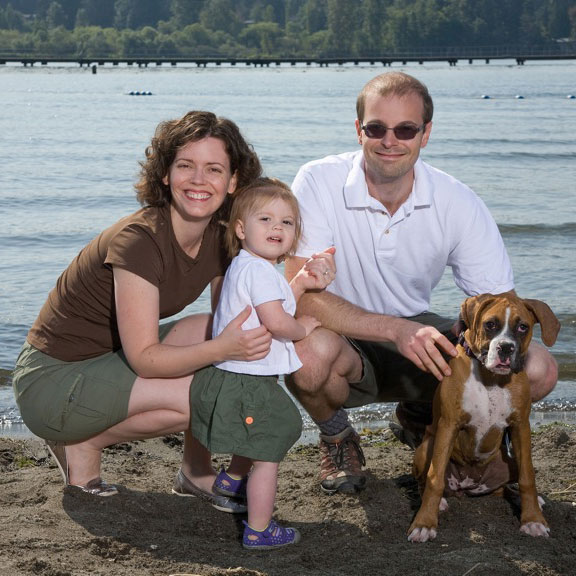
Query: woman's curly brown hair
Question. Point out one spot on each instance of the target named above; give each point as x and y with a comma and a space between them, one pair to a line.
172, 135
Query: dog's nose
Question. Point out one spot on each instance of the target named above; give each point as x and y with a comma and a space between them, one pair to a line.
506, 349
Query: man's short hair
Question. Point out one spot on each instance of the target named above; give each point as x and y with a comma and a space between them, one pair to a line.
395, 84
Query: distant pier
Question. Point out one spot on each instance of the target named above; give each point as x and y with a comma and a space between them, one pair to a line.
451, 56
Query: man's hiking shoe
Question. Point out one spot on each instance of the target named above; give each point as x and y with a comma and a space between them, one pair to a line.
275, 536
228, 486
342, 461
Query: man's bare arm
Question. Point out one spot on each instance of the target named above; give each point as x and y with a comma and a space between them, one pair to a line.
422, 345
338, 314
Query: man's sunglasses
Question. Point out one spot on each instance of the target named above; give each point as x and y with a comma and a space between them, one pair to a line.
402, 132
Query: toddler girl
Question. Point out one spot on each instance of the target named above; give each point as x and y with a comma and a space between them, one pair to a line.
239, 407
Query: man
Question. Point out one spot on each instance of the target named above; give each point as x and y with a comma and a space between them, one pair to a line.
396, 223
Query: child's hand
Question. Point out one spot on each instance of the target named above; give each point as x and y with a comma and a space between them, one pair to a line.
309, 323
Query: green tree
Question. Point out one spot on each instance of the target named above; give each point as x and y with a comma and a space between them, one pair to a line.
372, 29
41, 9
139, 13
498, 21
317, 44
96, 13
305, 27
94, 42
60, 42
264, 11
186, 12
572, 19
165, 46
315, 15
11, 19
399, 27
193, 40
139, 43
220, 15
55, 15
341, 27
264, 37
558, 24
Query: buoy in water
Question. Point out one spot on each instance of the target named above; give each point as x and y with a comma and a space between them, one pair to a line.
519, 97
571, 97
485, 97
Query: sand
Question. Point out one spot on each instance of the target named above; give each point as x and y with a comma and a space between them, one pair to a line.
145, 530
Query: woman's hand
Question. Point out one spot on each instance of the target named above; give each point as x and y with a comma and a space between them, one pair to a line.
243, 345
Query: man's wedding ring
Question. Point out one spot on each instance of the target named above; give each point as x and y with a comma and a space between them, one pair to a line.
326, 272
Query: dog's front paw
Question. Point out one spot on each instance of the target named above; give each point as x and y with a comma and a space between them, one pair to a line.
535, 529
422, 534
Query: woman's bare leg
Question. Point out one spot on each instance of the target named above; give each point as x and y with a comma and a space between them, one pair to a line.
157, 407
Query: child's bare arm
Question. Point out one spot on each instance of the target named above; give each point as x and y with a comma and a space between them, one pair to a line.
282, 325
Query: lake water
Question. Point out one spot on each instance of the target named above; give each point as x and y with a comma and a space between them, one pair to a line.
71, 141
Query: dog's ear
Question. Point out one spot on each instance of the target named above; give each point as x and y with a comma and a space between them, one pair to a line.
466, 313
470, 307
546, 318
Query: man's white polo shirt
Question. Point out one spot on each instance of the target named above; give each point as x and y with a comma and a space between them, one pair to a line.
390, 265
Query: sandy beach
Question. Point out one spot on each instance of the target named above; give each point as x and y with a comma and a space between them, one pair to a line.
145, 530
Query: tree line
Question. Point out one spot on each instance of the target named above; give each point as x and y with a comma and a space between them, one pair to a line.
276, 28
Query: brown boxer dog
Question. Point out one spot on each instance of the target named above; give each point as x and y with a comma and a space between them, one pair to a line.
487, 395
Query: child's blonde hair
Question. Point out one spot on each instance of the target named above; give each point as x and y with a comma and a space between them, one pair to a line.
253, 197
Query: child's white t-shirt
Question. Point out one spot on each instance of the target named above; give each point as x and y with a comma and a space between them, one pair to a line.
253, 281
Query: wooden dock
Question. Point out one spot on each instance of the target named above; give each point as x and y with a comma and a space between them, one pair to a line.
450, 56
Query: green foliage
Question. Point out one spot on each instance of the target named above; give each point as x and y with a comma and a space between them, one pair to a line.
24, 462
263, 37
94, 42
276, 28
186, 12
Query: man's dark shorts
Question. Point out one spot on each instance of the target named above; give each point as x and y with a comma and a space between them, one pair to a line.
390, 377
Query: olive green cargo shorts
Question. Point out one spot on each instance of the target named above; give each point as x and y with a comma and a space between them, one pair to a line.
73, 401
251, 416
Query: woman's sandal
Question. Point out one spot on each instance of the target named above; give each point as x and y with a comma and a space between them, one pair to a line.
185, 487
96, 487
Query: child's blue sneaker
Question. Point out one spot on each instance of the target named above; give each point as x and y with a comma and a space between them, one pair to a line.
275, 536
228, 486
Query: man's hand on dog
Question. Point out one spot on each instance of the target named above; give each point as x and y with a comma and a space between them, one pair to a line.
425, 346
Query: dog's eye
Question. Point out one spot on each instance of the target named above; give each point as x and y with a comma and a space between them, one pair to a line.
522, 328
490, 326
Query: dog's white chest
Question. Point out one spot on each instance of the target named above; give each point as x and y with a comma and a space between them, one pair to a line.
488, 406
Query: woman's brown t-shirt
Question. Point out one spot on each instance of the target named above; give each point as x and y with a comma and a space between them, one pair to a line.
78, 320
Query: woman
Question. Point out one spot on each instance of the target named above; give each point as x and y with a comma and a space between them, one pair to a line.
96, 369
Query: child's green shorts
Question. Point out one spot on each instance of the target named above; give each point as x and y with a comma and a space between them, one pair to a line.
251, 416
